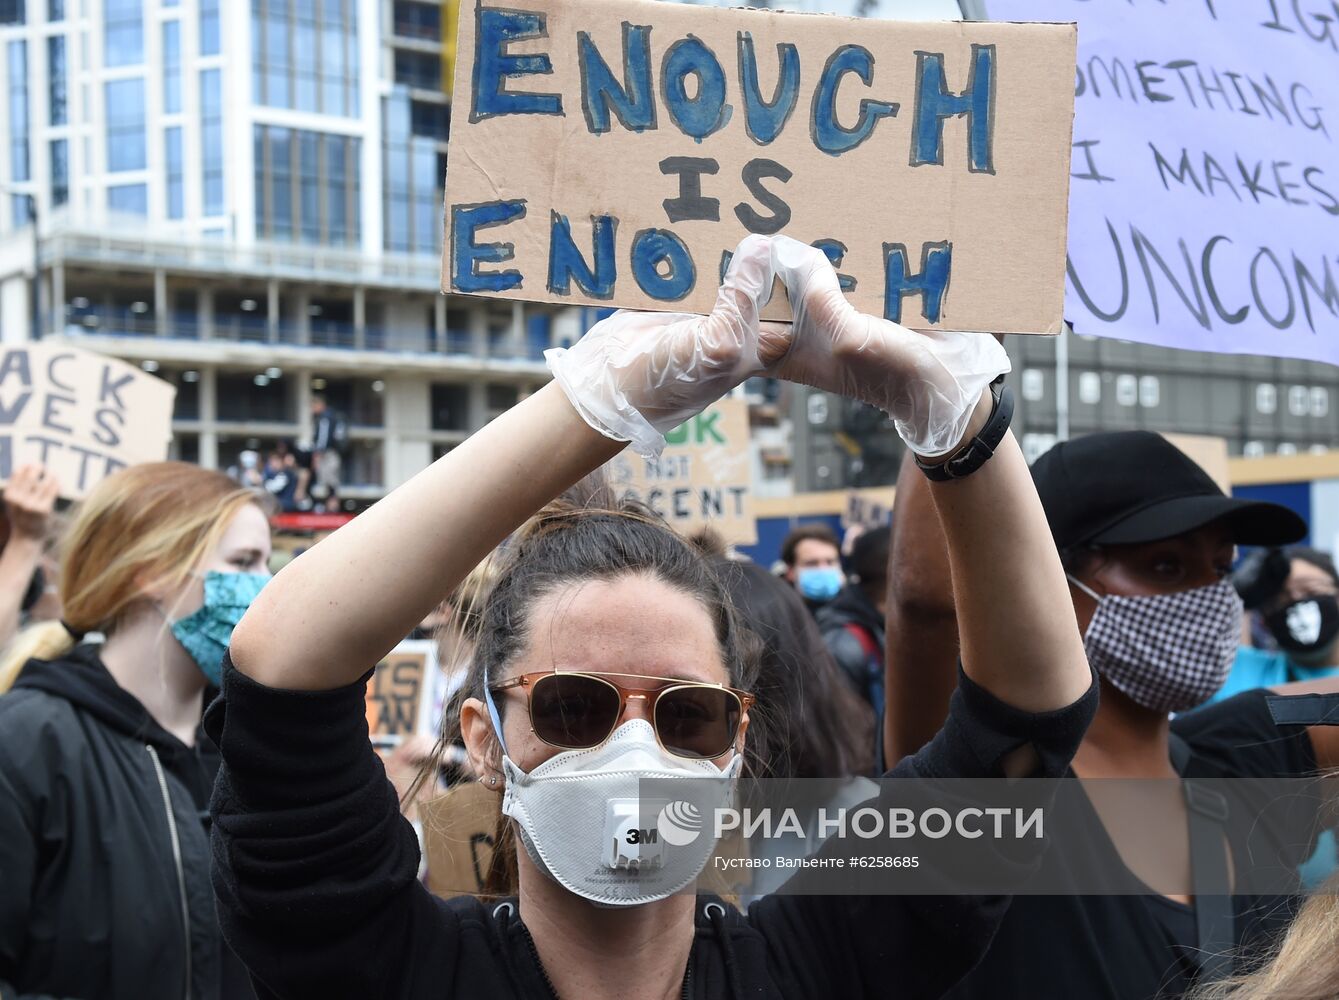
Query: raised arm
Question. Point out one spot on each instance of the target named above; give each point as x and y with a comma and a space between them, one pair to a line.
921, 659
1019, 640
349, 600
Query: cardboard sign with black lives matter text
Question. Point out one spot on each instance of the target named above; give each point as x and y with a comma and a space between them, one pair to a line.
615, 153
81, 414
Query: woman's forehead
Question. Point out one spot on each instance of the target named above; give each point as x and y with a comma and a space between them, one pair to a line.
1302, 572
634, 625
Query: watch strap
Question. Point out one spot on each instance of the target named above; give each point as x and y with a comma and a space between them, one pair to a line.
976, 452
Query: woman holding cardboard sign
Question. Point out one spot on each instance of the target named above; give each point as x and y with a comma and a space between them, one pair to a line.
607, 654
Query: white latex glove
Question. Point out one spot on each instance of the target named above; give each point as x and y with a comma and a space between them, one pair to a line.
929, 383
636, 375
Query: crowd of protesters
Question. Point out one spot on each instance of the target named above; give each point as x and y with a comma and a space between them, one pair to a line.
190, 804
301, 476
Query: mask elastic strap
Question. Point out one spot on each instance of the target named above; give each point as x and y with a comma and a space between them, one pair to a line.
1083, 587
493, 713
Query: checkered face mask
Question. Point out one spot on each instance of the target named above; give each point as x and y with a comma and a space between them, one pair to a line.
1167, 652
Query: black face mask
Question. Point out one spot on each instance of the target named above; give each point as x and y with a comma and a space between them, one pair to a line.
1308, 626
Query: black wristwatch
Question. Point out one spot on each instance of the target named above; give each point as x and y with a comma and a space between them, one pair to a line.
975, 452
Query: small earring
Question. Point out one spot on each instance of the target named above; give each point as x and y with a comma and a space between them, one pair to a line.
492, 781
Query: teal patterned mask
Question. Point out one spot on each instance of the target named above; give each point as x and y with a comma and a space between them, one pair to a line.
206, 632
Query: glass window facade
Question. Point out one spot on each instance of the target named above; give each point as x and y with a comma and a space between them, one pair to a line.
55, 10
55, 59
413, 189
12, 12
305, 55
171, 67
60, 171
17, 52
127, 144
176, 198
418, 69
306, 186
430, 120
450, 406
123, 32
211, 139
240, 400
132, 199
210, 29
414, 19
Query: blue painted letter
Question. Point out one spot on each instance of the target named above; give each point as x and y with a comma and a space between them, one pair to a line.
632, 101
493, 67
829, 135
651, 248
835, 252
764, 120
466, 255
566, 262
934, 104
703, 114
931, 283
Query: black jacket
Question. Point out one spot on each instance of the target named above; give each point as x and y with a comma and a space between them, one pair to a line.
852, 608
103, 845
315, 871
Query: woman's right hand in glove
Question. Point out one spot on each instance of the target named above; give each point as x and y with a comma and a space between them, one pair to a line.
929, 383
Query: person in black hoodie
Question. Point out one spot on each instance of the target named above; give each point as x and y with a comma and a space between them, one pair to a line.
104, 888
597, 617
853, 623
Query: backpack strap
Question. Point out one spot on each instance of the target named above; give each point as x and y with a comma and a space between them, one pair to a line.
1207, 813
866, 640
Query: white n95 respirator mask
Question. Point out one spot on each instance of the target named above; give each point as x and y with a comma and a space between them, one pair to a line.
586, 821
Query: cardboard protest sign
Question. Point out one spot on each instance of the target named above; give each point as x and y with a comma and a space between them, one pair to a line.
1209, 453
80, 414
1205, 193
703, 476
616, 153
868, 508
399, 696
459, 830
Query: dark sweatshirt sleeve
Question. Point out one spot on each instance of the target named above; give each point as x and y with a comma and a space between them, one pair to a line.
313, 866
919, 946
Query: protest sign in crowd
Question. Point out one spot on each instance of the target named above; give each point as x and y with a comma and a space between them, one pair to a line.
532, 726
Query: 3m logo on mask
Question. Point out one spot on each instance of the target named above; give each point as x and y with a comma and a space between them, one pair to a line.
635, 845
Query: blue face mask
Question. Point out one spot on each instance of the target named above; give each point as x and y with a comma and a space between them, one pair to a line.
820, 583
206, 632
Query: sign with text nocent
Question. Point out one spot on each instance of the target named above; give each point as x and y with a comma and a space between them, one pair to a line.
82, 415
615, 153
703, 478
1204, 209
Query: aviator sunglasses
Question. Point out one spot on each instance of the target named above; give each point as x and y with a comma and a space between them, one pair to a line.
577, 711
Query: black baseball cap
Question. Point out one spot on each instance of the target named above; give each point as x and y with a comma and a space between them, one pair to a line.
1126, 487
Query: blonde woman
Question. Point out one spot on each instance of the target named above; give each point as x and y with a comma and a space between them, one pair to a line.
1306, 965
104, 885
